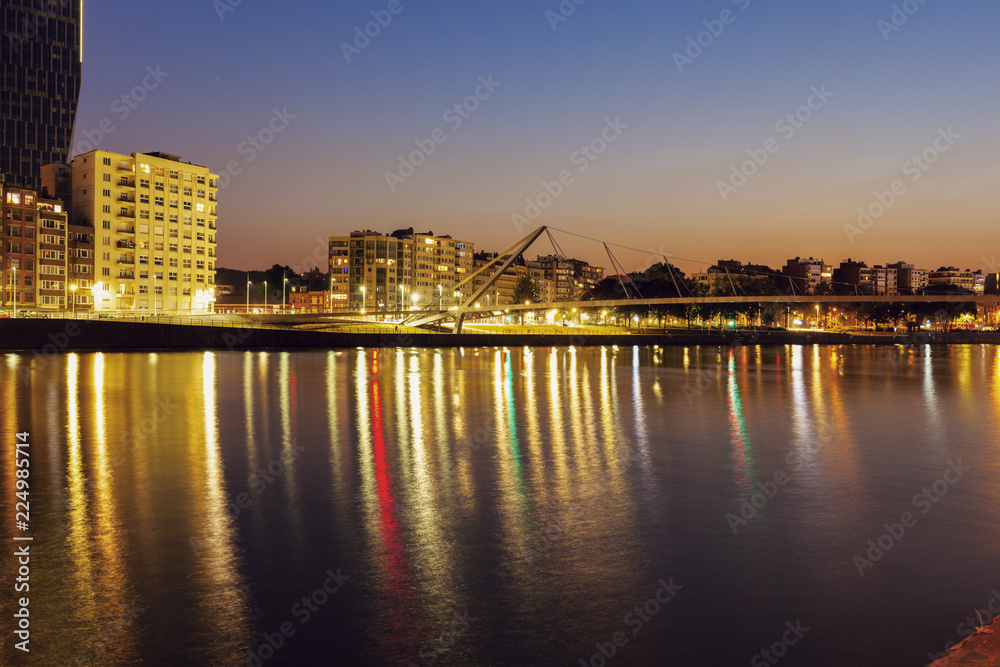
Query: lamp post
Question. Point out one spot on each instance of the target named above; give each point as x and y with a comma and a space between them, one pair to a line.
363, 300
284, 282
416, 298
15, 292
248, 292
331, 291
817, 316
72, 289
265, 296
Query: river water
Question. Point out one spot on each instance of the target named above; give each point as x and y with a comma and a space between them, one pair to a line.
633, 506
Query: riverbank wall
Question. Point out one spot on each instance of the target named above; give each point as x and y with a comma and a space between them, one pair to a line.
54, 335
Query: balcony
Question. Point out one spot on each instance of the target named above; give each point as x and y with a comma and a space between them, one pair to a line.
126, 214
127, 198
125, 230
211, 225
126, 260
126, 276
126, 168
126, 183
126, 245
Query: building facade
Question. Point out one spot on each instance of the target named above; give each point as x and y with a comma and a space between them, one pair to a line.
33, 254
405, 269
807, 273
149, 222
41, 56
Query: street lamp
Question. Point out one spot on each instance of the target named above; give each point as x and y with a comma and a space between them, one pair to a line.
15, 292
817, 315
331, 291
265, 296
416, 298
72, 289
285, 282
363, 300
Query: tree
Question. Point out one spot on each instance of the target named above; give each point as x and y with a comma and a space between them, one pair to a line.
525, 290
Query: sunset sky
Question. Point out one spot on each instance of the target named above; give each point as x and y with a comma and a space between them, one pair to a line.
887, 94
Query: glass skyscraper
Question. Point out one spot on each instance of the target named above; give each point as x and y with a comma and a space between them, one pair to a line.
41, 53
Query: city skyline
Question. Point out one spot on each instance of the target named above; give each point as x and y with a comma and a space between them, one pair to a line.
533, 88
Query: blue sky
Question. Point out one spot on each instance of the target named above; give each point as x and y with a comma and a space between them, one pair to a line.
656, 186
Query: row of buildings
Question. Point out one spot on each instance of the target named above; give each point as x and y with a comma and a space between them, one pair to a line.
405, 269
808, 276
103, 231
111, 232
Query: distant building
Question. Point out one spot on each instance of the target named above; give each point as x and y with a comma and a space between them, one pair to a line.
909, 279
854, 273
304, 300
973, 281
405, 269
719, 277
570, 278
807, 273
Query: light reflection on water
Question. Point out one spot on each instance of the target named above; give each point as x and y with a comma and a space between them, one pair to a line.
544, 492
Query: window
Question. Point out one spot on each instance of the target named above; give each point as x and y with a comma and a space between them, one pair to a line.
187, 263
200, 236
173, 290
107, 240
144, 168
106, 256
144, 215
158, 245
187, 192
173, 247
107, 162
144, 259
173, 218
143, 289
173, 202
159, 201
107, 208
172, 232
106, 224
172, 275
172, 262
158, 217
157, 261
107, 193
200, 265
144, 199
158, 186
107, 177
173, 174
186, 291
144, 183
173, 189
143, 274
187, 206
106, 272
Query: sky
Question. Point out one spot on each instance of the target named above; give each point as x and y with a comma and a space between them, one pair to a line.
722, 129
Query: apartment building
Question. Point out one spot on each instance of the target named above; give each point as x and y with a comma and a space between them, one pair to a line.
152, 219
807, 273
33, 250
405, 269
973, 281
